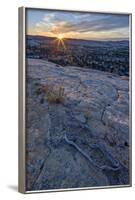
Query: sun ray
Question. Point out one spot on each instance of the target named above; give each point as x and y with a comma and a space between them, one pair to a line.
63, 44
59, 41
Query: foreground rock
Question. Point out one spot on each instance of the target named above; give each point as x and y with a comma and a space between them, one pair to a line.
82, 141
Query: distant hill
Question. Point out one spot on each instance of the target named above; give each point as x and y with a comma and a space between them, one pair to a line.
91, 43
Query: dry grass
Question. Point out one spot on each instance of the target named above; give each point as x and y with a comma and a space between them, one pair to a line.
51, 93
54, 95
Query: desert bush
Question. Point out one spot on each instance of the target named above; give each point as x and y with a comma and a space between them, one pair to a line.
50, 93
54, 95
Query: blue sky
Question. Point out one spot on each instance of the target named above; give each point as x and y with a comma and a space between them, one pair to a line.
79, 25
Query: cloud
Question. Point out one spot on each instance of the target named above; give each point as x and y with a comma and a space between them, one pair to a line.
86, 24
65, 22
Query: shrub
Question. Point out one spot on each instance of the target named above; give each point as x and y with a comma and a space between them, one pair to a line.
54, 95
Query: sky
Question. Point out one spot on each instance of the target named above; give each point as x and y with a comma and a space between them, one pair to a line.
78, 25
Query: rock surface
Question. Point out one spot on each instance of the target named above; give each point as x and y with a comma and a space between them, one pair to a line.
82, 141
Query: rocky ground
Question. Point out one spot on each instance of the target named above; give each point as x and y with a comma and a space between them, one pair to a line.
83, 140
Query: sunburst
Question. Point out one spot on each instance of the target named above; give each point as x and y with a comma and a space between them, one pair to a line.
60, 37
60, 40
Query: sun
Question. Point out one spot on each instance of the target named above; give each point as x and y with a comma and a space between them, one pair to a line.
60, 36
60, 40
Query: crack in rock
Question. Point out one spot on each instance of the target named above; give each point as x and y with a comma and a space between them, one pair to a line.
102, 115
115, 163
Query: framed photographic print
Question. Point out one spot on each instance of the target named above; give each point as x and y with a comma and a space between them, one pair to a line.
74, 100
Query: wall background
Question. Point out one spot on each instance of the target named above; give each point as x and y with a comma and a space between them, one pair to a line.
9, 97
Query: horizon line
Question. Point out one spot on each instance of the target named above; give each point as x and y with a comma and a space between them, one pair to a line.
102, 40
